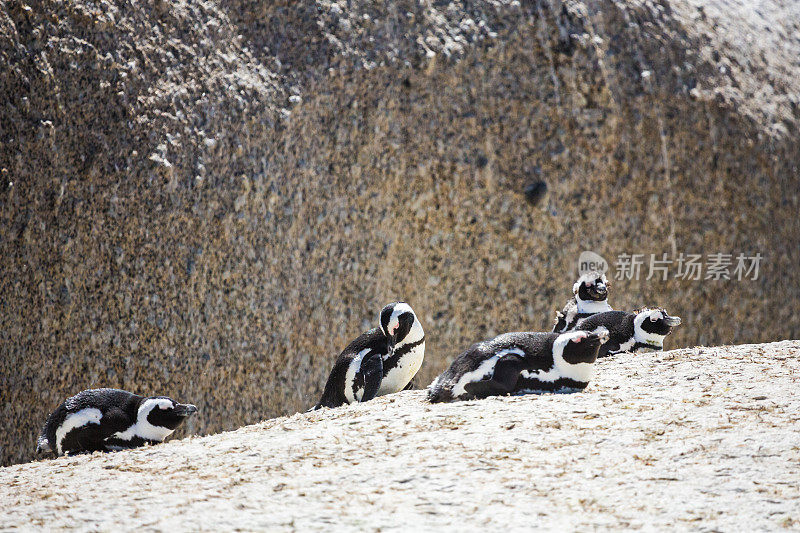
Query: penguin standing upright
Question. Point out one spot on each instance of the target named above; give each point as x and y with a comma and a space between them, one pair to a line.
110, 419
518, 362
380, 361
644, 329
590, 296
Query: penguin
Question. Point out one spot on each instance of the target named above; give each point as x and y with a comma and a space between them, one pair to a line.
380, 361
590, 297
108, 420
643, 329
520, 362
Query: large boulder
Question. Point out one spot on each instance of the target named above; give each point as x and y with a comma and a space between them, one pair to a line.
210, 199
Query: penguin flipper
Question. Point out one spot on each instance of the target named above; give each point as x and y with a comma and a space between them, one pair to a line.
114, 420
502, 381
372, 369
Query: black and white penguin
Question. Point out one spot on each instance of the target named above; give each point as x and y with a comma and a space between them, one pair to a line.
380, 361
590, 296
110, 419
520, 362
644, 329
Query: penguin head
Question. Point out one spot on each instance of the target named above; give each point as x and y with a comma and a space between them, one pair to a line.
581, 346
397, 321
591, 287
650, 326
162, 413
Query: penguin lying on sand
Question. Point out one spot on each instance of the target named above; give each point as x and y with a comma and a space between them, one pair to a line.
380, 361
590, 297
110, 419
644, 329
519, 362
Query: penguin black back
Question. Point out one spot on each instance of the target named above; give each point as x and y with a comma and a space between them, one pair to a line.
620, 329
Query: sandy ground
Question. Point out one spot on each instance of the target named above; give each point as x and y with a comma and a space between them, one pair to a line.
701, 439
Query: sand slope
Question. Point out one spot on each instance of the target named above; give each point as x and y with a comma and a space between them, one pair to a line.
701, 438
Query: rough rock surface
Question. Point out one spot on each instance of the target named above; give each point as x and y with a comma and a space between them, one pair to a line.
209, 199
702, 439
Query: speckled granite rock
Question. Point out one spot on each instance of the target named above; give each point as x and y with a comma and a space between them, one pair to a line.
209, 199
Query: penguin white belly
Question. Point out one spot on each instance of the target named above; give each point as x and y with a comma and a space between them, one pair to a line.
398, 377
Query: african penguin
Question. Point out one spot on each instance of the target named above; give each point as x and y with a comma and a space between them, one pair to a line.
380, 361
110, 419
520, 362
590, 296
644, 329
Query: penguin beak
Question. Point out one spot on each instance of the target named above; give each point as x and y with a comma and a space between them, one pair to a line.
673, 321
185, 410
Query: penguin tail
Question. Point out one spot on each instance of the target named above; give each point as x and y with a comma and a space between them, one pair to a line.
438, 396
43, 446
437, 393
